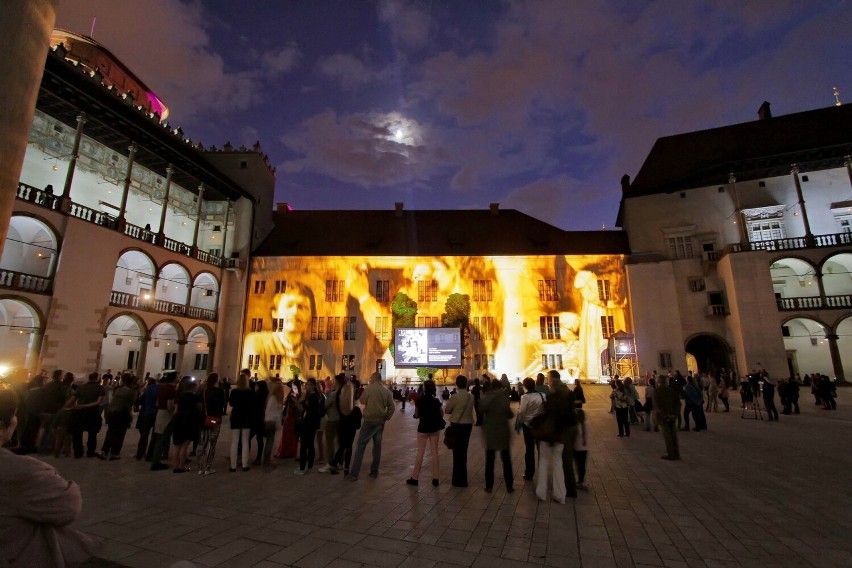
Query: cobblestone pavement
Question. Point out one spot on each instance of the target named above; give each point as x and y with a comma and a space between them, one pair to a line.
747, 493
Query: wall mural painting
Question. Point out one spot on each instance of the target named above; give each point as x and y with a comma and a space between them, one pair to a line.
526, 314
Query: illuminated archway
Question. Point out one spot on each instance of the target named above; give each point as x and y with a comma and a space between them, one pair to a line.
205, 294
793, 278
806, 347
164, 349
134, 274
30, 250
837, 275
121, 348
844, 345
173, 284
198, 352
20, 331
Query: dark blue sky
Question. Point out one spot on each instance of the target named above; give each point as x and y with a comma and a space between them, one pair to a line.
539, 105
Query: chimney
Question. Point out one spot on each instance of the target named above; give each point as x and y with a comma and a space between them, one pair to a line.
763, 113
282, 207
625, 184
495, 208
398, 206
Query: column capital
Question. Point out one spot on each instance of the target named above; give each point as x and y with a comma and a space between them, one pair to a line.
181, 342
732, 178
82, 118
170, 169
794, 169
848, 161
831, 336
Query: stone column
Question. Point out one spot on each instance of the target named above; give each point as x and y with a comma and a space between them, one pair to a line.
160, 235
124, 194
179, 363
143, 356
809, 238
210, 350
34, 351
25, 27
225, 227
72, 165
197, 220
836, 361
738, 212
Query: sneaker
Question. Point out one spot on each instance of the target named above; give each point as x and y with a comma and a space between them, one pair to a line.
300, 472
200, 472
324, 469
209, 471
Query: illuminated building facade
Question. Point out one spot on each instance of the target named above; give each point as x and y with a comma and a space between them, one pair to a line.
741, 247
127, 242
322, 288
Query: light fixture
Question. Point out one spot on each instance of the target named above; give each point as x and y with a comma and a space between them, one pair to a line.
55, 168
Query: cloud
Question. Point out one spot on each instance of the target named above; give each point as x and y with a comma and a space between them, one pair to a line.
543, 199
410, 25
349, 72
282, 60
368, 149
179, 63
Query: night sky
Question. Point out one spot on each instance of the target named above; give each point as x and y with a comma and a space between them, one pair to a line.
540, 106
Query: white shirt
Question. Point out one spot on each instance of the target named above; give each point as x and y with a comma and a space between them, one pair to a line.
532, 404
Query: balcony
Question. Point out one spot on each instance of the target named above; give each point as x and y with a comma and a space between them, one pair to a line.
715, 310
814, 303
123, 300
49, 201
25, 282
794, 243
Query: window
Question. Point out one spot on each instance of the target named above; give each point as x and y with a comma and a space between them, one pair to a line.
253, 362
716, 301
315, 362
260, 286
551, 361
277, 324
607, 326
382, 328
785, 331
349, 329
604, 294
765, 230
334, 290
200, 362
484, 361
547, 291
333, 331
549, 326
280, 286
680, 247
476, 361
274, 362
482, 291
348, 363
257, 324
383, 291
665, 360
696, 284
427, 291
483, 328
170, 360
845, 224
427, 321
318, 328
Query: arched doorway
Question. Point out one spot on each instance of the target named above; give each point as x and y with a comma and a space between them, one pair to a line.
197, 356
164, 349
122, 345
20, 332
710, 353
806, 346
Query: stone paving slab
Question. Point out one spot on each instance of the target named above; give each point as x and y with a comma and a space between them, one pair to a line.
746, 494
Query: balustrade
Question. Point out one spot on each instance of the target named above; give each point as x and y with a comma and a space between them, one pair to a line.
148, 304
25, 282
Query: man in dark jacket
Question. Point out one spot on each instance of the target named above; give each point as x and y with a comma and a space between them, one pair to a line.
666, 409
561, 398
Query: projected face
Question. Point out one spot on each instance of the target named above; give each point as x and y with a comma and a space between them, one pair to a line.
294, 310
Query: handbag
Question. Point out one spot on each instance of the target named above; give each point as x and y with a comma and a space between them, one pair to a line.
210, 421
543, 427
451, 432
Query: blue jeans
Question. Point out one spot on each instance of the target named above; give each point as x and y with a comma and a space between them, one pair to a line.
369, 431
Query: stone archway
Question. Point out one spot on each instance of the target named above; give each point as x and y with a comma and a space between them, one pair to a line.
711, 353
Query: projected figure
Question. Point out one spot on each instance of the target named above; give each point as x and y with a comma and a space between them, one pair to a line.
412, 347
291, 315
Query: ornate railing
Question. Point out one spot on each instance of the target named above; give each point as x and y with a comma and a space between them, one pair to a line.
148, 304
814, 303
794, 243
50, 201
25, 282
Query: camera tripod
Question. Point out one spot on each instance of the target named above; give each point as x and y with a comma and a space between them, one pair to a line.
757, 413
